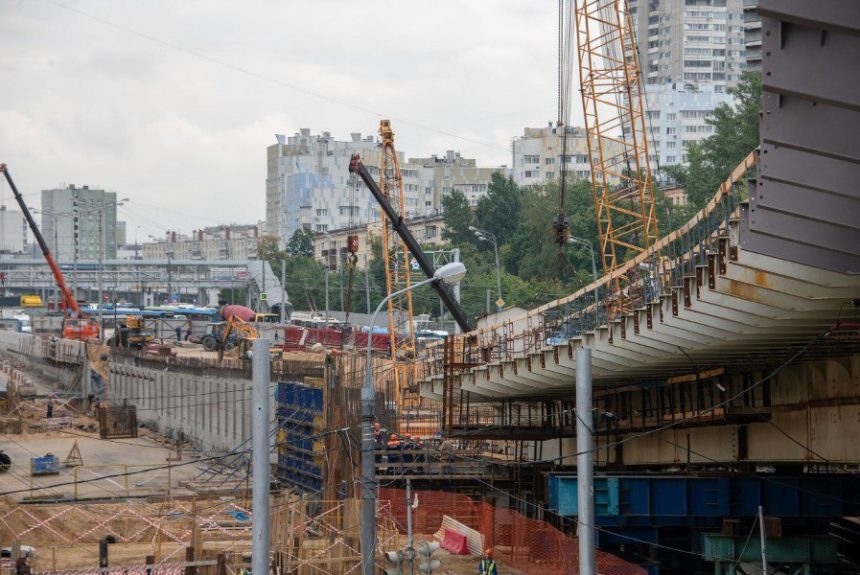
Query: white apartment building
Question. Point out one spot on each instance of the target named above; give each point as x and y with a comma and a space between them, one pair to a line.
308, 184
13, 232
690, 53
690, 41
537, 155
79, 219
228, 242
676, 118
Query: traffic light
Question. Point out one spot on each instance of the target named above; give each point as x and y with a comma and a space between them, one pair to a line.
395, 559
426, 563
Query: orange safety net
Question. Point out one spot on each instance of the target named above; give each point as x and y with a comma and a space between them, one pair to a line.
529, 545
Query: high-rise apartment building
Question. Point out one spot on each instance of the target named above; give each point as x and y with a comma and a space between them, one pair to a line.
308, 185
676, 117
692, 42
72, 221
537, 155
13, 232
690, 53
752, 35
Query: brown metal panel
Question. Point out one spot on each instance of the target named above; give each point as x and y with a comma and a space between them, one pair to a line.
796, 67
809, 170
806, 204
838, 15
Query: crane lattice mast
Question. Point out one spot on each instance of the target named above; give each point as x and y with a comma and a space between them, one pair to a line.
395, 254
612, 100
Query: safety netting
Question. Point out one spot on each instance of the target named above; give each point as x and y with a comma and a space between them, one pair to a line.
528, 545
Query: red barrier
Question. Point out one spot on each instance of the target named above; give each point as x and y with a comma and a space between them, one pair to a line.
455, 543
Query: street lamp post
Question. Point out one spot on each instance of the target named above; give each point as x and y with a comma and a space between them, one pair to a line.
486, 236
450, 273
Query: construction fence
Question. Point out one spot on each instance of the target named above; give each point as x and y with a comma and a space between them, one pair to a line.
529, 545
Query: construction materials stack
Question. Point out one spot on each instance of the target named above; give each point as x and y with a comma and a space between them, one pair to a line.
301, 451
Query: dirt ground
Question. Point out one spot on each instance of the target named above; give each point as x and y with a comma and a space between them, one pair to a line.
144, 459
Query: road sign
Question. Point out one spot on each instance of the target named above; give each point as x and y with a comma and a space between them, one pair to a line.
500, 303
263, 296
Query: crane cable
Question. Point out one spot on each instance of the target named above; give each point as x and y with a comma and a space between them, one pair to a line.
561, 224
351, 246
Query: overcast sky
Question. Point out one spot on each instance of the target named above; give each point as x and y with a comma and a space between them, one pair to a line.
172, 104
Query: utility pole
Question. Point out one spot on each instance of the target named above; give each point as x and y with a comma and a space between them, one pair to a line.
101, 269
367, 285
283, 291
410, 548
260, 457
763, 540
326, 289
585, 461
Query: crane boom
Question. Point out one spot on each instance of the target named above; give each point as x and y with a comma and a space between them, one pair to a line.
71, 304
399, 226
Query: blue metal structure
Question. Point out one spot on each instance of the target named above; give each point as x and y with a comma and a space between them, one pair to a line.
301, 451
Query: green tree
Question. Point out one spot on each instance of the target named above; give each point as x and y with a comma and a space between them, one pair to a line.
736, 134
499, 211
301, 243
458, 217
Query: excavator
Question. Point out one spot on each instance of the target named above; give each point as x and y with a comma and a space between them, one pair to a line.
76, 324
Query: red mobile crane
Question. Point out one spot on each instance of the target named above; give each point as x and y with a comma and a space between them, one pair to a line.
76, 325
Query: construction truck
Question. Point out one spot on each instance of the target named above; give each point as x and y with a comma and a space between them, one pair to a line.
234, 331
76, 325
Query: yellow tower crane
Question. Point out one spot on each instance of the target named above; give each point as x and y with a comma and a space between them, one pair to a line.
613, 106
396, 257
614, 113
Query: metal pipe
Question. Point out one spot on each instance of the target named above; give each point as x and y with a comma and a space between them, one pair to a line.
101, 271
260, 456
410, 544
283, 291
763, 539
585, 461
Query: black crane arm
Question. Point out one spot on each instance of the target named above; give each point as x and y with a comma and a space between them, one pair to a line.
399, 226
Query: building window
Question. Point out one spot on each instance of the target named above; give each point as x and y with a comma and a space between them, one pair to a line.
322, 228
322, 212
531, 159
429, 232
549, 161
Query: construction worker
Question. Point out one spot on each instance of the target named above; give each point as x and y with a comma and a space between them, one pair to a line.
487, 566
50, 406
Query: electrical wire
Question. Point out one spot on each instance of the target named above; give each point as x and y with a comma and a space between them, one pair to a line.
265, 78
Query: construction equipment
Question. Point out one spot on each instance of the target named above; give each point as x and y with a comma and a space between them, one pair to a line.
398, 225
612, 99
76, 325
233, 331
133, 332
5, 462
395, 254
